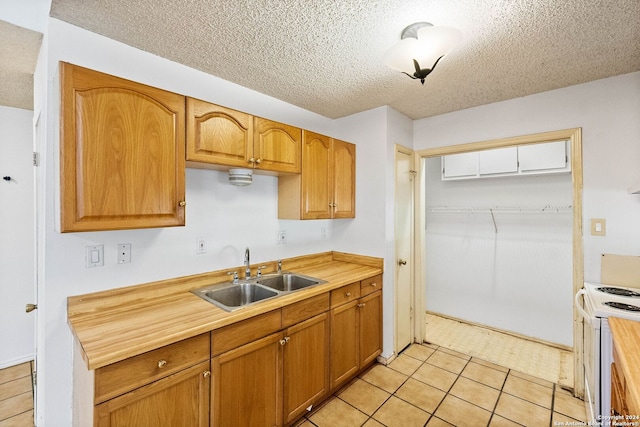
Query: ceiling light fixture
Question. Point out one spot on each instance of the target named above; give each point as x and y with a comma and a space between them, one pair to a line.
422, 45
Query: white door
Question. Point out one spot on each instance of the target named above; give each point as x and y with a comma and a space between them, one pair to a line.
404, 227
16, 236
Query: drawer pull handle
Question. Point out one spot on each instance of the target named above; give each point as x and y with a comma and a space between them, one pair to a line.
206, 374
362, 305
162, 363
374, 284
347, 294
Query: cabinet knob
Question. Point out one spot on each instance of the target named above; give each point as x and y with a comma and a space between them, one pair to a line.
182, 203
206, 374
362, 304
347, 294
258, 161
374, 284
162, 363
31, 307
402, 262
284, 340
251, 160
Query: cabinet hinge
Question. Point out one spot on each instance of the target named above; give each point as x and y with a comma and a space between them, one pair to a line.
36, 158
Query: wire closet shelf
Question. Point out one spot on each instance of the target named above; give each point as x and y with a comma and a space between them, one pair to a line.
547, 209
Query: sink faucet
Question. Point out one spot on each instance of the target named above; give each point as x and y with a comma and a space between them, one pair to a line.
247, 268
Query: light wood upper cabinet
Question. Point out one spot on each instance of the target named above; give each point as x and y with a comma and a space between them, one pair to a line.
276, 146
218, 135
122, 148
344, 179
326, 187
219, 138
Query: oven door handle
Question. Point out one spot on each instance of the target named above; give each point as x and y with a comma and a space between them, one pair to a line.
581, 310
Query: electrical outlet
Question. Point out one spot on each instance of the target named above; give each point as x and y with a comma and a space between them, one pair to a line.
124, 253
201, 246
94, 256
282, 237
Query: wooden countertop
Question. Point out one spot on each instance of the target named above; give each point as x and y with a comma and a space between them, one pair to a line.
114, 325
626, 339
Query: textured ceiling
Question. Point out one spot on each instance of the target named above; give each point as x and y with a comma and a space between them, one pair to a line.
325, 55
19, 49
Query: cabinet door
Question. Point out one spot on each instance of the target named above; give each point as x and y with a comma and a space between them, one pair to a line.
344, 343
370, 328
546, 156
247, 384
181, 399
276, 146
460, 165
121, 152
317, 176
344, 180
306, 365
218, 135
497, 161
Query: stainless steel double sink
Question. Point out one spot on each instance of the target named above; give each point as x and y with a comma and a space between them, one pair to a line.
232, 296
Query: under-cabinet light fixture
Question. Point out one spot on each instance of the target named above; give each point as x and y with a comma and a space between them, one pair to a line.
240, 176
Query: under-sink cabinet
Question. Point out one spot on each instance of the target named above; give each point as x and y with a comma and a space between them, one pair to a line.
167, 386
274, 378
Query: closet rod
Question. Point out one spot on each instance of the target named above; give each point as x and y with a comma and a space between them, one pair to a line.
548, 209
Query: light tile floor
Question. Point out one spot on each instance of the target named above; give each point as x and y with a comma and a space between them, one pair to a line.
428, 385
540, 360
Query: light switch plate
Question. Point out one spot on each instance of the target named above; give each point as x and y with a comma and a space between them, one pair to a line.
598, 227
94, 256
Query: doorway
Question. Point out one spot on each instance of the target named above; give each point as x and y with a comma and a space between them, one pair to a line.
573, 136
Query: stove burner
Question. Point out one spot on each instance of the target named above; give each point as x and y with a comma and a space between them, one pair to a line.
622, 306
619, 291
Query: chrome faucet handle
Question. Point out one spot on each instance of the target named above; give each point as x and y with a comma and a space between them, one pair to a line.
235, 275
260, 270
279, 266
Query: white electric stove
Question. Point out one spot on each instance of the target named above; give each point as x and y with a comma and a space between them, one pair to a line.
600, 303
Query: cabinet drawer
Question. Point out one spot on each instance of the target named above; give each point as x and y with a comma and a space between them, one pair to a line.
244, 332
370, 285
345, 294
118, 378
305, 309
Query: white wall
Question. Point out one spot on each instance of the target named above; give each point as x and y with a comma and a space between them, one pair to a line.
501, 274
607, 111
229, 218
17, 236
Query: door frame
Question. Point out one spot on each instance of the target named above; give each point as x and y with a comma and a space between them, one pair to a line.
412, 244
574, 136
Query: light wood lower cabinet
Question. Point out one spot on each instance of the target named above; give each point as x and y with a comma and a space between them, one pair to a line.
247, 384
167, 386
306, 365
181, 399
356, 334
273, 380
